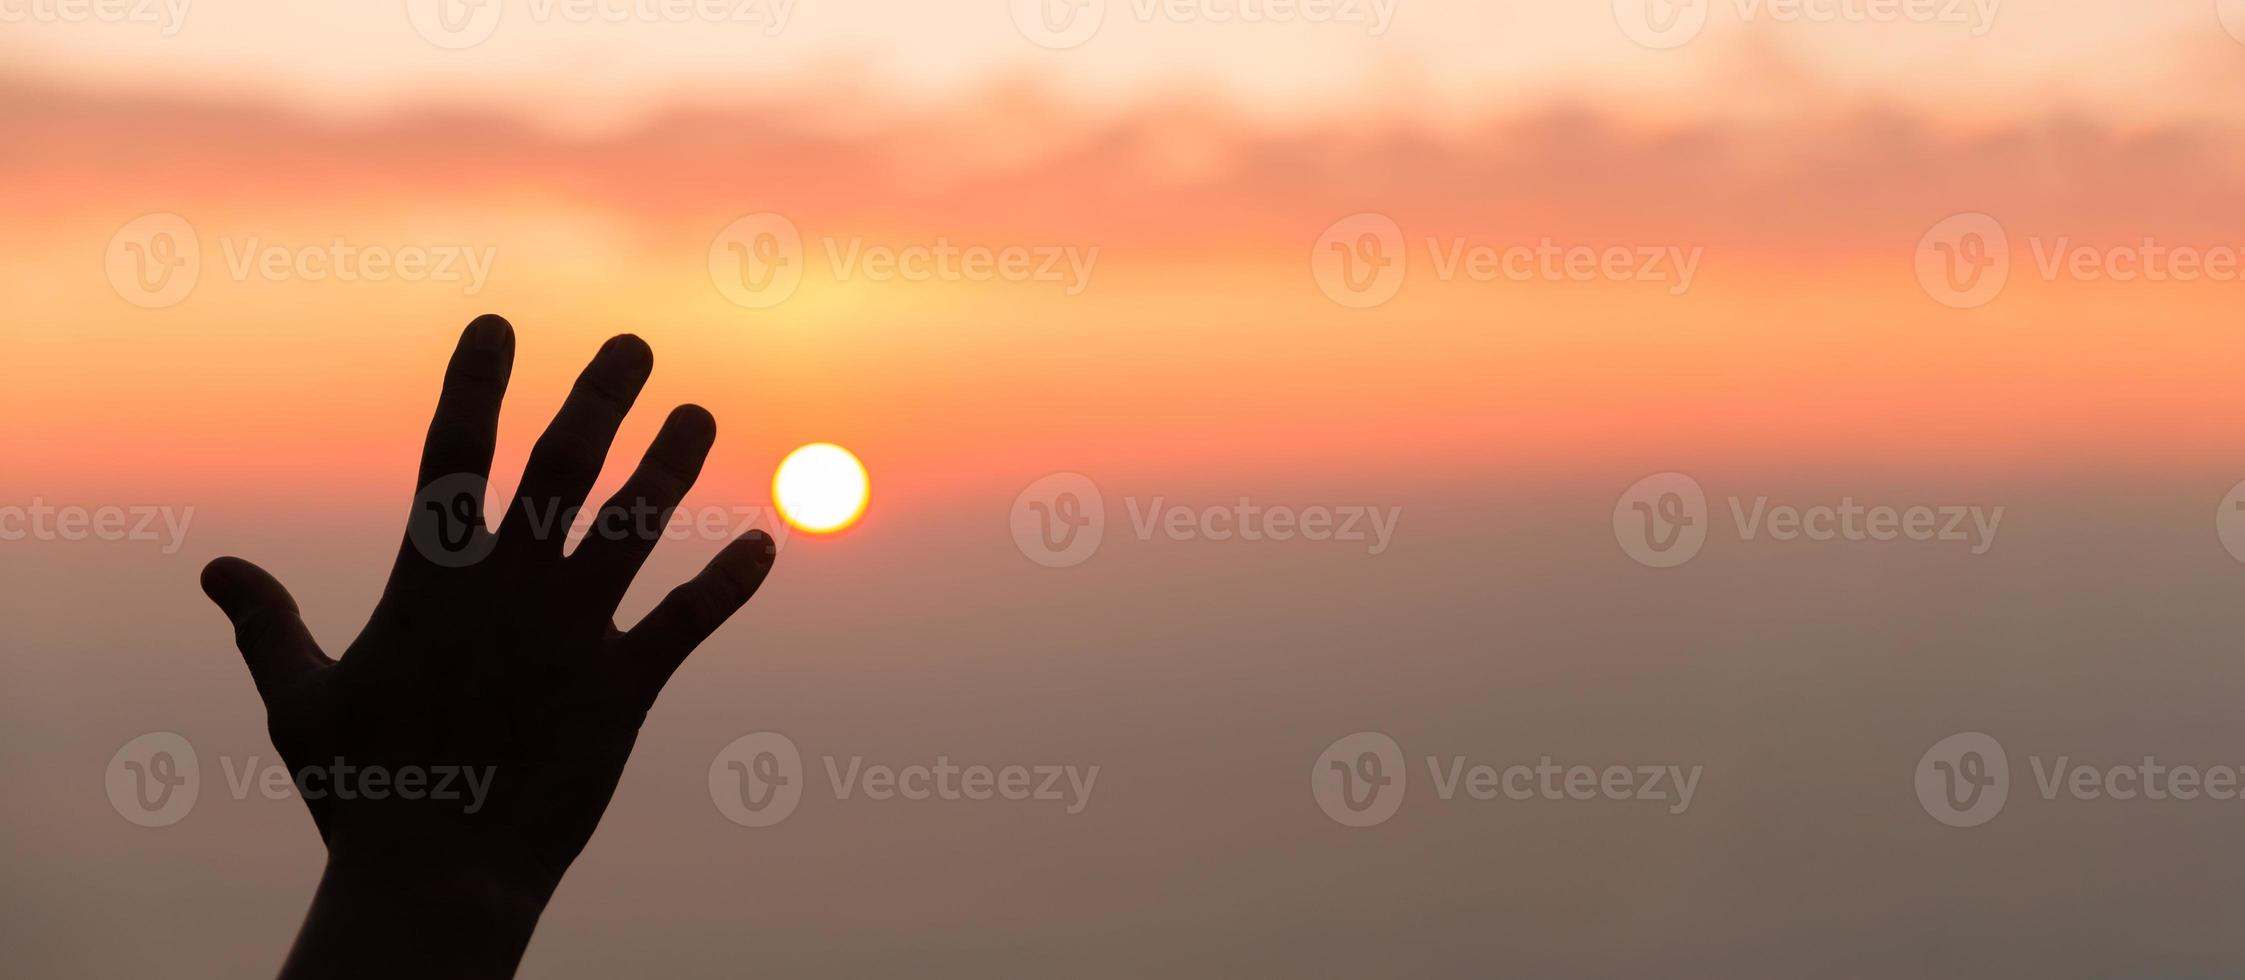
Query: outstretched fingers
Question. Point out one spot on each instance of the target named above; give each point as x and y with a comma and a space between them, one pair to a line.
566, 460
456, 457
696, 609
627, 528
466, 426
267, 627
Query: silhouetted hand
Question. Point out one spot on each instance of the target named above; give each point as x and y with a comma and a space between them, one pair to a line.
491, 664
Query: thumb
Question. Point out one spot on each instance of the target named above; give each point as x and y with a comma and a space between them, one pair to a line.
267, 628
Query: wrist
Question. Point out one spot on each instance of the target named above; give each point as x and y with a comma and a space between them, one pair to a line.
461, 884
382, 914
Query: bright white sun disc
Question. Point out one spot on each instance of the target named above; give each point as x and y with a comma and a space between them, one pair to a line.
821, 488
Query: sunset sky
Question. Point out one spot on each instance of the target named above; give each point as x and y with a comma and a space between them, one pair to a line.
1179, 188
1801, 161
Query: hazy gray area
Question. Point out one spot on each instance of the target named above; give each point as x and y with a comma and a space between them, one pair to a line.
1503, 624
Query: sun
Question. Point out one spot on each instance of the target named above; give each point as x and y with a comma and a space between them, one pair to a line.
821, 488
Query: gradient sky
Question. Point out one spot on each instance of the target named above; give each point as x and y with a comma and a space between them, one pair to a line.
1802, 165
